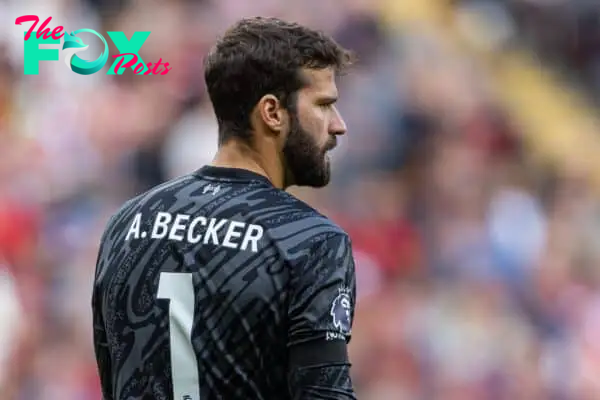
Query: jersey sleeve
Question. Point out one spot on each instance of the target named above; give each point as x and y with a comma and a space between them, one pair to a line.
101, 348
321, 311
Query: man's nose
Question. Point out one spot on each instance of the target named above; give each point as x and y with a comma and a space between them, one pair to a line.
337, 125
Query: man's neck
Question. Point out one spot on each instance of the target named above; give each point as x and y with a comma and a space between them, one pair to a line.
236, 154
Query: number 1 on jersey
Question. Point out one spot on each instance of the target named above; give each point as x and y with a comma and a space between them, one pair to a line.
179, 289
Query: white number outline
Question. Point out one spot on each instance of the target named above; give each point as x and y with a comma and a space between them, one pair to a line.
178, 288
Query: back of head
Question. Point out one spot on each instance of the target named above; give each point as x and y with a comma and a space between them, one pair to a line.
259, 56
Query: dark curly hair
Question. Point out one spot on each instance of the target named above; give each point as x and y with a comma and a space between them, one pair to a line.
259, 56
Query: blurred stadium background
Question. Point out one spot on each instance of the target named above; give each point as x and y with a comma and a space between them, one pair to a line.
468, 182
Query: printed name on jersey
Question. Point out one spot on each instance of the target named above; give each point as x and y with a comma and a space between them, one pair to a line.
341, 315
197, 229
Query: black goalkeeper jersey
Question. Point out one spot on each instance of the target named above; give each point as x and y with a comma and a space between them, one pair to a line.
217, 285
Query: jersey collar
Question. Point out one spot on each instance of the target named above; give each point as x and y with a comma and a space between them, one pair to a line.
227, 173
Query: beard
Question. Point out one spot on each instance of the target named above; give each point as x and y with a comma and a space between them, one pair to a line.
307, 163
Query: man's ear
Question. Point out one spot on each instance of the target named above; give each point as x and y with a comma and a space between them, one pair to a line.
272, 113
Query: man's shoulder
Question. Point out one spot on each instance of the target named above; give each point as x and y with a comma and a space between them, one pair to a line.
151, 197
298, 227
302, 215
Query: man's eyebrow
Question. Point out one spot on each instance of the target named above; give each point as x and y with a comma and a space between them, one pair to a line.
328, 99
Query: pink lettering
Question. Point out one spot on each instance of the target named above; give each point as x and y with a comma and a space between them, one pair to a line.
155, 71
138, 69
43, 30
166, 70
56, 30
28, 18
130, 63
148, 71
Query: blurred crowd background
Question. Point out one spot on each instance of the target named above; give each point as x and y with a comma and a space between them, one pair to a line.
467, 182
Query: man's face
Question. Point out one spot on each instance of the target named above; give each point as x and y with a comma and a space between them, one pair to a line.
313, 129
